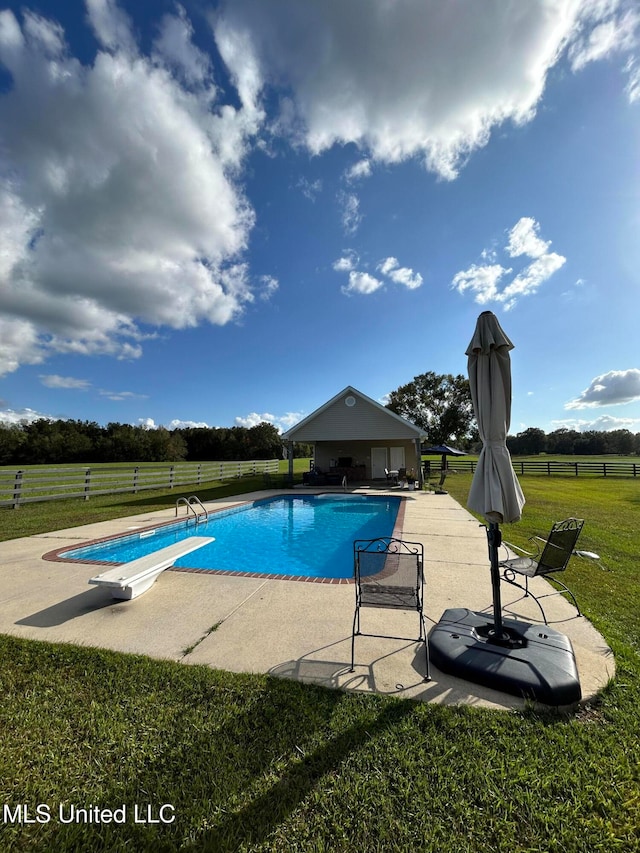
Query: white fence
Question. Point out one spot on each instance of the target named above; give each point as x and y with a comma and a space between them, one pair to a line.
50, 484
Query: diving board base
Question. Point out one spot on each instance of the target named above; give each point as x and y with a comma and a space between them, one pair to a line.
536, 662
132, 579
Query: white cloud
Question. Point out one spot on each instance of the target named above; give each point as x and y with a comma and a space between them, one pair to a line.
617, 33
20, 416
111, 26
310, 189
253, 419
174, 47
609, 389
605, 423
400, 275
19, 344
176, 423
52, 380
633, 86
484, 279
362, 282
530, 279
281, 422
524, 239
350, 212
118, 396
346, 263
119, 168
290, 418
444, 75
269, 285
361, 169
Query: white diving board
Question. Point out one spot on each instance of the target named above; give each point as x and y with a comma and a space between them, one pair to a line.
132, 579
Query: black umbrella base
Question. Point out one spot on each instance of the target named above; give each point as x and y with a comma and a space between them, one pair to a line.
532, 661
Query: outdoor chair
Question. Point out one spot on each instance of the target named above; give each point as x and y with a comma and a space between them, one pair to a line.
389, 574
392, 476
550, 557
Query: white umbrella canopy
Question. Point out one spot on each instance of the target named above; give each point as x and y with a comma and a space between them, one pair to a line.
495, 491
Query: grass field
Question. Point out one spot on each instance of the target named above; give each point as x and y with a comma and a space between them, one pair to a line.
252, 763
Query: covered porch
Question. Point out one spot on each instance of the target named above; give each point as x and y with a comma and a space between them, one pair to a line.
356, 438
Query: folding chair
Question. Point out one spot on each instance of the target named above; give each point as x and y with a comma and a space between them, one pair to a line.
392, 476
550, 557
389, 574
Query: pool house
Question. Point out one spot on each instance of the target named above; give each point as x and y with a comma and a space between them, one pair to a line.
357, 437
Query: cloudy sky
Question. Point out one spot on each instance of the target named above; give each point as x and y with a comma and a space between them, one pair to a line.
221, 213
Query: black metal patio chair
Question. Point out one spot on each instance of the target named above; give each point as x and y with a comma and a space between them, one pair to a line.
389, 574
550, 557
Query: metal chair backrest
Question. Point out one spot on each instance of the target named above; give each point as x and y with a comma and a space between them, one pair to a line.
389, 573
559, 546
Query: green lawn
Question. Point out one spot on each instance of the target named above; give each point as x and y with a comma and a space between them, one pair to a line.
254, 763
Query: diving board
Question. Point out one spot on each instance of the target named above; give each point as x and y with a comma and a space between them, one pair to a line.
130, 580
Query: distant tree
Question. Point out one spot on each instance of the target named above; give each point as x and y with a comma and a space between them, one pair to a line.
164, 446
12, 437
440, 405
562, 441
202, 443
264, 442
301, 450
620, 441
528, 442
125, 443
590, 443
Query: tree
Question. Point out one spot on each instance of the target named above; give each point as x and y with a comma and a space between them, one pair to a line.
532, 440
562, 441
620, 441
439, 404
264, 442
12, 437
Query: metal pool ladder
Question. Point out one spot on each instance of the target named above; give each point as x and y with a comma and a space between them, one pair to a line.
189, 503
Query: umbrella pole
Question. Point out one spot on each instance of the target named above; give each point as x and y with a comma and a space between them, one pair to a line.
494, 538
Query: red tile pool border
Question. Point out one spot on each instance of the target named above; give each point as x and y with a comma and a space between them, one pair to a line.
54, 556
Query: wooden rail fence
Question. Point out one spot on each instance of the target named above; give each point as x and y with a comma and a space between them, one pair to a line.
50, 484
598, 468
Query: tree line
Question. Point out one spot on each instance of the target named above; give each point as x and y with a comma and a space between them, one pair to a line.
570, 442
55, 442
438, 404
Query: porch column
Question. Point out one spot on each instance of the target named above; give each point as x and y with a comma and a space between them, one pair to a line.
289, 446
420, 472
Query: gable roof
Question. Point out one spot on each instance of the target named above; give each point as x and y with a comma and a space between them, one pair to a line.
351, 415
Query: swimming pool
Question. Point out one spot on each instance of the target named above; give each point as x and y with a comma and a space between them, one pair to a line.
307, 536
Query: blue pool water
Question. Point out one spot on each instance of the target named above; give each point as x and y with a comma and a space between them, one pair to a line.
305, 535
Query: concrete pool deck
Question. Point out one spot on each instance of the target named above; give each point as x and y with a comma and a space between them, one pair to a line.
282, 627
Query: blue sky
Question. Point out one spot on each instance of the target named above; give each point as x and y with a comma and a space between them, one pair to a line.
221, 213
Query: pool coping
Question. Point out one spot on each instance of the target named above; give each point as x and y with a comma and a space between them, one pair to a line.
55, 554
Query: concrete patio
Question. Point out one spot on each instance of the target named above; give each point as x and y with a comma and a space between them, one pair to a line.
294, 629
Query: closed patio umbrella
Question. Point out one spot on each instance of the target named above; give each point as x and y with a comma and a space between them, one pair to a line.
495, 491
515, 656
